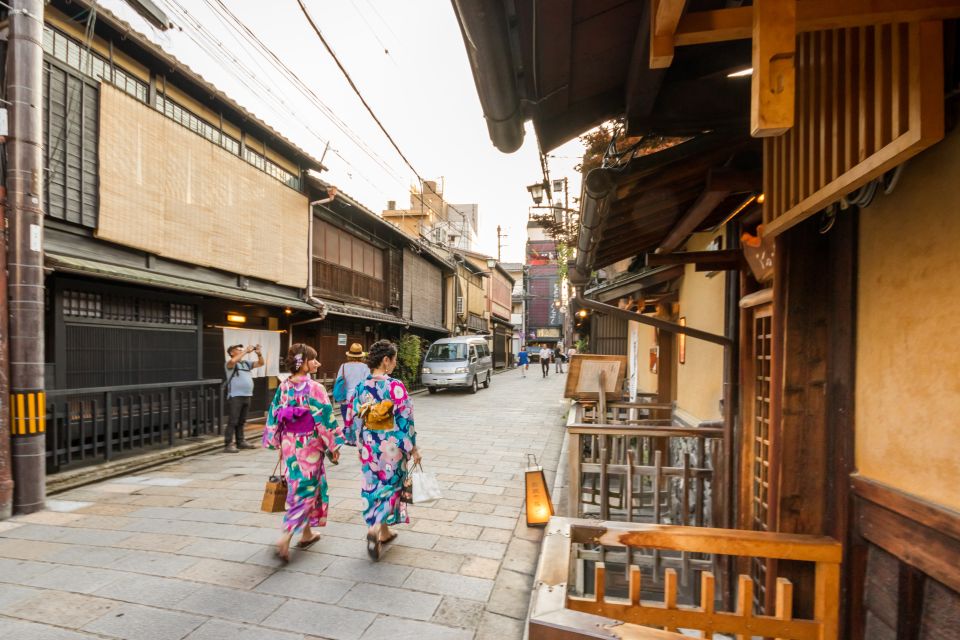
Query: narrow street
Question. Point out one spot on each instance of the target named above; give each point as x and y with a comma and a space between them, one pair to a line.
182, 551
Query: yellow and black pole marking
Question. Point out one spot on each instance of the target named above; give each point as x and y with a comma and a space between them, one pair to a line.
28, 413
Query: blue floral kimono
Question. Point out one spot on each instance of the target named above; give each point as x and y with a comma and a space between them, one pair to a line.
383, 454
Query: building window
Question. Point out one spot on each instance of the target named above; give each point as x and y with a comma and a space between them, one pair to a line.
126, 309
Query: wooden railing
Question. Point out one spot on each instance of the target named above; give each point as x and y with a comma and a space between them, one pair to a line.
95, 424
557, 611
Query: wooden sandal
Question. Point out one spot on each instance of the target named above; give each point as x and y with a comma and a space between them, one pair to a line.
374, 547
306, 544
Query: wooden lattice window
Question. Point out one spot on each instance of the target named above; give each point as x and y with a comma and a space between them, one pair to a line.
867, 98
762, 359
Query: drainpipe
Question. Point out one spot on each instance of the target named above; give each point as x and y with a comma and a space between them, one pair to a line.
25, 256
597, 187
6, 477
332, 193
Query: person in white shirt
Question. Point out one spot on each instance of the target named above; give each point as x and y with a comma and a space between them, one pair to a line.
545, 354
559, 357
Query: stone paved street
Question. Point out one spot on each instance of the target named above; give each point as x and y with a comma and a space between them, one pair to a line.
182, 551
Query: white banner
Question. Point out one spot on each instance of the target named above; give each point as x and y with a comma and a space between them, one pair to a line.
269, 342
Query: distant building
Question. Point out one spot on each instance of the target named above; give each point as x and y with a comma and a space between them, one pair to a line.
543, 295
429, 216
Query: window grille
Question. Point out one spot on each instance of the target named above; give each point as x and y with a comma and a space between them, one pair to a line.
126, 309
460, 305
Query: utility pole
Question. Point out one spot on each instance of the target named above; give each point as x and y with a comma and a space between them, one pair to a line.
499, 244
24, 181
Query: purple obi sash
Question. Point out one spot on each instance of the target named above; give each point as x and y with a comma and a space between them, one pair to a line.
295, 420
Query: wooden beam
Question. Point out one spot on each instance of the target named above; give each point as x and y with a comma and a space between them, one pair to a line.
722, 25
773, 83
727, 259
720, 184
665, 18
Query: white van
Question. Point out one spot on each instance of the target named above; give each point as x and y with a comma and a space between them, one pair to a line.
464, 361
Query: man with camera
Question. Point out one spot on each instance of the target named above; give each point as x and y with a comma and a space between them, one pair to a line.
239, 387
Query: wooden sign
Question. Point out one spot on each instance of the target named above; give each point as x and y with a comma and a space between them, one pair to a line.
583, 379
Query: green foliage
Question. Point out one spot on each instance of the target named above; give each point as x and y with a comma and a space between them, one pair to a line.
564, 254
583, 345
408, 359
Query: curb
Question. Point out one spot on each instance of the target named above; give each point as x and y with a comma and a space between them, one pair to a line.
67, 480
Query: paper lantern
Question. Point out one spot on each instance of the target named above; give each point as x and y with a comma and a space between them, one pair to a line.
539, 505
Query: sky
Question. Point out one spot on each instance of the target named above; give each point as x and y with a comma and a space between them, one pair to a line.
409, 62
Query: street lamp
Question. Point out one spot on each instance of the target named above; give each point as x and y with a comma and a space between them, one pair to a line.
536, 192
491, 263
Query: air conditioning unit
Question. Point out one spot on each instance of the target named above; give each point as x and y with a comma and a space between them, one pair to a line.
460, 305
440, 235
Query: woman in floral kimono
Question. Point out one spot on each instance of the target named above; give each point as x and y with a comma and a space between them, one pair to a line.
300, 423
380, 418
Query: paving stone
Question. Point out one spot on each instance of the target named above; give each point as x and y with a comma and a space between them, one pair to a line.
50, 517
415, 539
222, 549
75, 579
155, 542
487, 520
493, 550
377, 598
432, 513
17, 571
328, 621
449, 584
401, 629
496, 535
449, 529
455, 612
223, 630
39, 532
231, 604
17, 630
71, 610
11, 594
387, 574
499, 500
102, 557
464, 505
136, 622
155, 564
423, 558
93, 537
9, 524
226, 574
480, 567
522, 556
305, 587
511, 594
148, 590
497, 627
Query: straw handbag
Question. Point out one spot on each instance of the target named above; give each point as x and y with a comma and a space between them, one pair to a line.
275, 493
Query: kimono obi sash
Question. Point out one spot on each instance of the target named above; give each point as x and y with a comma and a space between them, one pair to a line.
296, 420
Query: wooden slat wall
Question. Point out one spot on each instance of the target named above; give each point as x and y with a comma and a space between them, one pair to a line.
867, 99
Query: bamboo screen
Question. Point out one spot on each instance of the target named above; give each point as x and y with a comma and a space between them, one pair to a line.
867, 98
166, 190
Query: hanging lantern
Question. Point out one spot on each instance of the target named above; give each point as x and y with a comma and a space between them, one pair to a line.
539, 505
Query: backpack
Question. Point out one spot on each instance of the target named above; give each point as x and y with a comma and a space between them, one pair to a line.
340, 389
225, 385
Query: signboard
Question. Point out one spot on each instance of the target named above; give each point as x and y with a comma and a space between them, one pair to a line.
583, 379
341, 339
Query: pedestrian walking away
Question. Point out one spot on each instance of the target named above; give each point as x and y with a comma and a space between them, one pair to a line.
351, 373
301, 424
239, 386
523, 361
560, 357
545, 354
380, 418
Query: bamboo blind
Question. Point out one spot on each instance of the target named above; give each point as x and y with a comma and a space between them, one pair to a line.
867, 99
167, 190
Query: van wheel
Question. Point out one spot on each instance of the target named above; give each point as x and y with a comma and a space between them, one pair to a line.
486, 383
432, 390
473, 387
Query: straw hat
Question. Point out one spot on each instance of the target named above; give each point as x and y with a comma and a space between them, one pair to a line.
356, 351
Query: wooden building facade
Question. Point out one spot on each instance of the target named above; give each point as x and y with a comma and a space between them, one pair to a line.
819, 141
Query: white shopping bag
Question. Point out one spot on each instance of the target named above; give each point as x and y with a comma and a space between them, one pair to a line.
426, 488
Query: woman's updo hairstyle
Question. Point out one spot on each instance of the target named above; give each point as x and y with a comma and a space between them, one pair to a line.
297, 355
380, 350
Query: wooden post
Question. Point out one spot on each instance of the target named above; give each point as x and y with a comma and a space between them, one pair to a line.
774, 74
